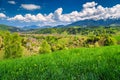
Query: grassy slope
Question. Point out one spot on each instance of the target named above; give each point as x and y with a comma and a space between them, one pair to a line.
8, 28
75, 64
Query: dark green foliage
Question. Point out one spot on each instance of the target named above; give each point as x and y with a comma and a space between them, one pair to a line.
109, 41
12, 46
1, 42
76, 64
92, 39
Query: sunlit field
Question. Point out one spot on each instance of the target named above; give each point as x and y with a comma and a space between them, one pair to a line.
75, 64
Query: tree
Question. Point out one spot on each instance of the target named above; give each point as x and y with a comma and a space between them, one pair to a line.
110, 41
12, 45
45, 47
1, 43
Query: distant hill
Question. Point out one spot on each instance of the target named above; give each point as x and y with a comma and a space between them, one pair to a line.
82, 23
31, 27
90, 22
9, 28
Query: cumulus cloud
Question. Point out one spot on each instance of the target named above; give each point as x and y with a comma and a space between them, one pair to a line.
58, 14
91, 10
2, 15
11, 2
89, 4
17, 17
30, 6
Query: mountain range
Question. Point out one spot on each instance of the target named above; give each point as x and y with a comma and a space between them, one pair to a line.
87, 23
82, 23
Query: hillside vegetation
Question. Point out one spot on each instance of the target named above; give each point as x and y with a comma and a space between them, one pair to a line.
8, 28
77, 30
14, 45
75, 64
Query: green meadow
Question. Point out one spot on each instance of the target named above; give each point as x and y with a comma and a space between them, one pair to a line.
101, 63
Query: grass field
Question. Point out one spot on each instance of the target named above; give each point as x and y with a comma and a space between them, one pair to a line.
76, 64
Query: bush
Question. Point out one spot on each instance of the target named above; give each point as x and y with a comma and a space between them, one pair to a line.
60, 44
110, 41
97, 44
1, 43
92, 39
45, 47
12, 46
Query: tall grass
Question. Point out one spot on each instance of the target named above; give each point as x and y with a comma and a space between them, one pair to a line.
76, 64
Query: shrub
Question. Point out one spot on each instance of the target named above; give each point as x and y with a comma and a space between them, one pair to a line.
12, 46
1, 43
97, 44
45, 47
93, 39
110, 41
60, 44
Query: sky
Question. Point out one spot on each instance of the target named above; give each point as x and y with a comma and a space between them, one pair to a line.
22, 13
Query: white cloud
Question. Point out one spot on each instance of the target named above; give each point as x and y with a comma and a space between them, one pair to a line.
2, 15
17, 17
30, 6
11, 2
89, 4
91, 10
58, 14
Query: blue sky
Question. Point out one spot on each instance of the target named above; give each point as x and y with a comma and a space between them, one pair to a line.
55, 12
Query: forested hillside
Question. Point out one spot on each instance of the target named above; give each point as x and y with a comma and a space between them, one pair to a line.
9, 28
